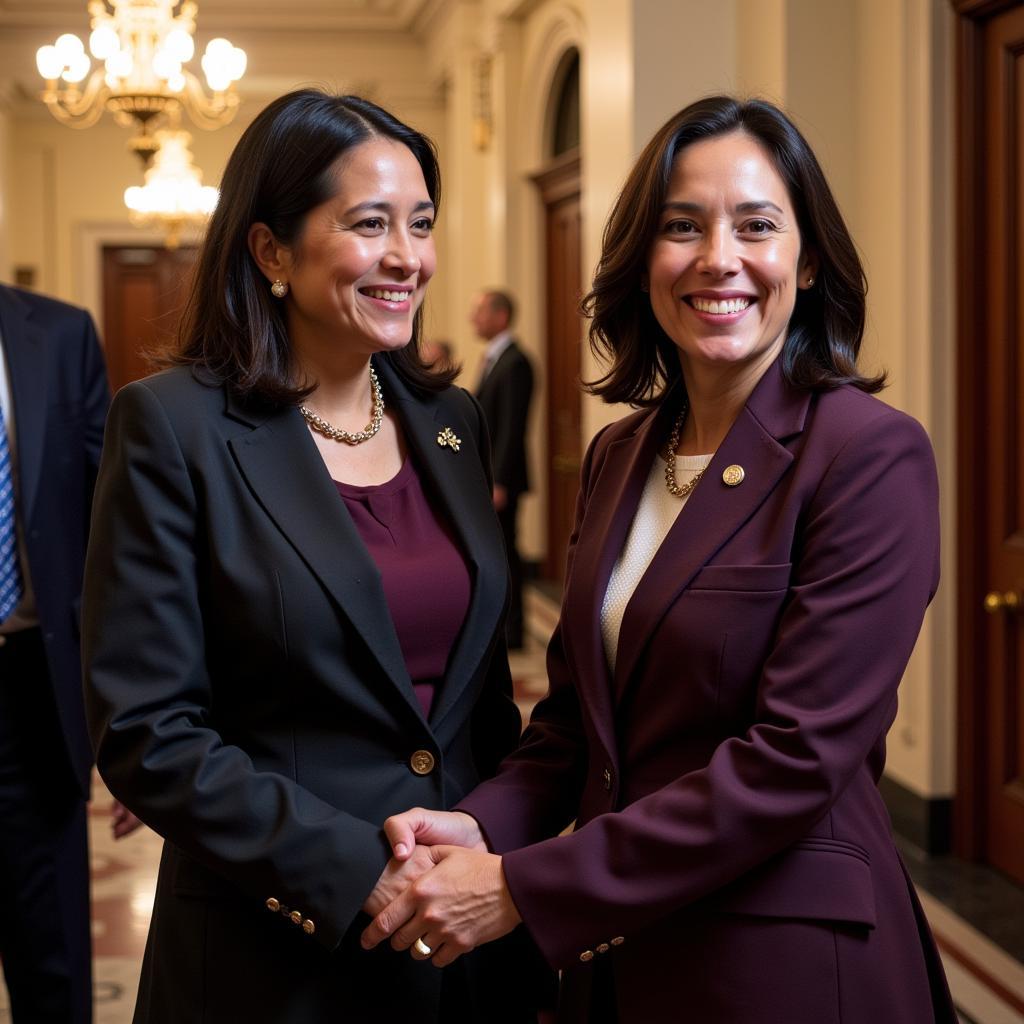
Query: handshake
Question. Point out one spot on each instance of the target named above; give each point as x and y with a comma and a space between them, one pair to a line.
442, 893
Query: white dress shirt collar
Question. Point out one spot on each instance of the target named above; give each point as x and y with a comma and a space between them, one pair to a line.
495, 347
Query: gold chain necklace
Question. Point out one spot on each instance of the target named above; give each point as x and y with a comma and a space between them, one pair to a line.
669, 456
319, 424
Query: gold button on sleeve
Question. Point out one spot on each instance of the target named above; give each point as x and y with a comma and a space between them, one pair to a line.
618, 940
603, 948
422, 762
296, 917
587, 955
308, 927
273, 905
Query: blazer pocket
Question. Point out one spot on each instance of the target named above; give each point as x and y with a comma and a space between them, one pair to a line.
818, 879
753, 578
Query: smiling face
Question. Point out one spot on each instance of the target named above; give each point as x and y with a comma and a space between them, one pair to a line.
726, 263
360, 269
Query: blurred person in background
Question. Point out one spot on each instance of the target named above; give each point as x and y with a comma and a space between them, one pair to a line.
504, 392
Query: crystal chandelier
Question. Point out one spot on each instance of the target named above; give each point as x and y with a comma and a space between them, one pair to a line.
141, 47
174, 196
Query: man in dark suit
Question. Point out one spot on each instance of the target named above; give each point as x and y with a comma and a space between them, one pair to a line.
53, 402
504, 393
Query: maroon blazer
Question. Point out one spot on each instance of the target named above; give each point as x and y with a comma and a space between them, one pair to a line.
732, 860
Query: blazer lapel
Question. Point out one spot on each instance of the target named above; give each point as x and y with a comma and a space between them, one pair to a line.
714, 511
612, 504
458, 482
284, 470
27, 356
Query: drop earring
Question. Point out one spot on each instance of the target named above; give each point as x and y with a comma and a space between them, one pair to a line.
279, 289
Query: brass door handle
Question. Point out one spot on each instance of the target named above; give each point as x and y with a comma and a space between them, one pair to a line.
1009, 601
566, 464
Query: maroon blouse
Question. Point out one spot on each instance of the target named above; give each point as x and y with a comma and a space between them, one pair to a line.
425, 577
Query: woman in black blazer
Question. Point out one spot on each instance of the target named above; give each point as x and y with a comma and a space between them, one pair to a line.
291, 626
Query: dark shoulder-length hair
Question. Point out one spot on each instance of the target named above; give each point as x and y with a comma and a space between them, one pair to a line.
825, 331
283, 167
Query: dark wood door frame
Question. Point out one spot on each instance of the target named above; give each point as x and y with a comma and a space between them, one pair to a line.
144, 290
972, 478
559, 183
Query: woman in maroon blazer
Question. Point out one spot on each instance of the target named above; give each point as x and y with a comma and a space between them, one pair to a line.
753, 554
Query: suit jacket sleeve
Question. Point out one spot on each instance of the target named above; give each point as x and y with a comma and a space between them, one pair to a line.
865, 567
149, 696
95, 400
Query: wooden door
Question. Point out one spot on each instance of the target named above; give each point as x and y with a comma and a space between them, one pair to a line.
560, 189
991, 455
144, 289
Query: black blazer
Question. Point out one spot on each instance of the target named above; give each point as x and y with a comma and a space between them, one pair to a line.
505, 397
59, 391
248, 697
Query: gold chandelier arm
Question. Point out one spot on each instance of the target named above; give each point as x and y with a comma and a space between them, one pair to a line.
78, 109
206, 112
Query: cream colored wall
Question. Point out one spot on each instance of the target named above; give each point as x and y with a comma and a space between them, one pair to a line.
902, 220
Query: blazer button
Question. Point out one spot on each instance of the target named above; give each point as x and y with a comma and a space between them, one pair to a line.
295, 917
308, 927
618, 940
422, 762
603, 948
733, 476
273, 905
587, 955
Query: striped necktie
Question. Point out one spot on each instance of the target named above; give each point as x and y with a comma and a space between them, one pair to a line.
10, 572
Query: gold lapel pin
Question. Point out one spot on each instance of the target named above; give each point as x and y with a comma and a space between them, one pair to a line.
732, 476
448, 438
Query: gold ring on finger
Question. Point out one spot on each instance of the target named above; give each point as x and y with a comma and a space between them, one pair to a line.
422, 948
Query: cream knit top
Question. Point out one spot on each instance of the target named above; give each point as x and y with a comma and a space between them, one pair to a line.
654, 517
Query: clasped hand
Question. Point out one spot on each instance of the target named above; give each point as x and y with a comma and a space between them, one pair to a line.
441, 886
